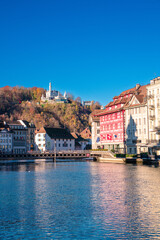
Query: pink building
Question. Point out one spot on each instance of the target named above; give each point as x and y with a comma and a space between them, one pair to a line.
112, 121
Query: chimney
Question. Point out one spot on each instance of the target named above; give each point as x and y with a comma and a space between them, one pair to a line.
137, 86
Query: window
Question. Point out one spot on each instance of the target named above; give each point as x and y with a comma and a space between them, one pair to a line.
157, 91
98, 131
140, 121
65, 144
144, 121
98, 124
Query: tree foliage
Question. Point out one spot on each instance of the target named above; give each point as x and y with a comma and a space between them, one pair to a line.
24, 103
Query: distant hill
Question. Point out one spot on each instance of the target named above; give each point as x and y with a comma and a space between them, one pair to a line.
24, 103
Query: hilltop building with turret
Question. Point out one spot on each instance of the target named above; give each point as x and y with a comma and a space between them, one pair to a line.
54, 96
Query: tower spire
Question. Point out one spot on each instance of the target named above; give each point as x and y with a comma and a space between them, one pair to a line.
50, 87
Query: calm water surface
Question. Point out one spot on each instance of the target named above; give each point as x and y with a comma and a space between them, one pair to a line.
84, 200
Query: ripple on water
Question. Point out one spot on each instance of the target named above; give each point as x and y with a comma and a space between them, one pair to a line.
79, 201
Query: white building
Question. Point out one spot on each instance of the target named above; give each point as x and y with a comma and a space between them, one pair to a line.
153, 96
95, 129
51, 139
6, 138
87, 103
54, 96
136, 122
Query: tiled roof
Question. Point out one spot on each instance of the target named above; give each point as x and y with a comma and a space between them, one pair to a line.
42, 130
131, 90
94, 114
140, 92
78, 138
86, 133
60, 133
110, 111
28, 124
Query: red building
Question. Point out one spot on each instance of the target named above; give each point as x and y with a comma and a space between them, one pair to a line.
112, 121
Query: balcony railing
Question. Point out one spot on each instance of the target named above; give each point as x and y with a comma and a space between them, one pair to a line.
152, 117
151, 106
154, 141
150, 96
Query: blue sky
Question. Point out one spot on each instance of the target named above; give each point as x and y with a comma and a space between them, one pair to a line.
93, 49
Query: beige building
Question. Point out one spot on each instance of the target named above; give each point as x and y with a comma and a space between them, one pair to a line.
153, 96
30, 138
136, 122
95, 129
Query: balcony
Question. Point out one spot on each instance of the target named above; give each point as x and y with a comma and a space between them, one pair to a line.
136, 141
152, 117
154, 141
151, 106
150, 96
157, 130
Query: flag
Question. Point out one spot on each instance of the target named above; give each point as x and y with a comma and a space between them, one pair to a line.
98, 139
109, 136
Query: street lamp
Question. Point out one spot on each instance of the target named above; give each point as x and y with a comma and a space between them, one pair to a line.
55, 150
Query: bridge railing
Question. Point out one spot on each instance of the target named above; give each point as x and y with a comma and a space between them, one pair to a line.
58, 152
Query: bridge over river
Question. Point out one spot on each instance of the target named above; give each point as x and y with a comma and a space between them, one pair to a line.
77, 154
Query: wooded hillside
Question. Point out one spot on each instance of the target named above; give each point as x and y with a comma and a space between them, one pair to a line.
24, 103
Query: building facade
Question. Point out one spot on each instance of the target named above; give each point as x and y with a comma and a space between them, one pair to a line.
95, 129
153, 96
124, 122
54, 139
30, 138
136, 122
112, 122
19, 137
54, 96
6, 138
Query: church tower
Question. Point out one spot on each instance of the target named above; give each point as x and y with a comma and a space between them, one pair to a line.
50, 88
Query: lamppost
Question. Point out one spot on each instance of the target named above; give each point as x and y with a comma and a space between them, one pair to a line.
55, 150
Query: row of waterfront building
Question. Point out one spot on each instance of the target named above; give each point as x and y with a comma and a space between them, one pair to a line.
131, 122
21, 137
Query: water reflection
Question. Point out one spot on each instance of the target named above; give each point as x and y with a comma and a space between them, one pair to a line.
79, 201
128, 200
38, 165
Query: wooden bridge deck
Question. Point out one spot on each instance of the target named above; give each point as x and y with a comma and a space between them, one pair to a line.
53, 155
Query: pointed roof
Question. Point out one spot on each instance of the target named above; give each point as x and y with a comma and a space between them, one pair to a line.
42, 130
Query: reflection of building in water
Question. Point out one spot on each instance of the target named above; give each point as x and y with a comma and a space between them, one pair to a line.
126, 199
54, 96
108, 193
142, 200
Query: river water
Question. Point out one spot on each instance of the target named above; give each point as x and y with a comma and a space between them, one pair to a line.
79, 200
